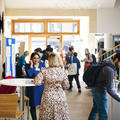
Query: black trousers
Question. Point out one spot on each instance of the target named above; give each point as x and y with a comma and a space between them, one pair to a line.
76, 77
18, 72
33, 113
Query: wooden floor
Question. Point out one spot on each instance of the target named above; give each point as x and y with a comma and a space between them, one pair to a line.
79, 104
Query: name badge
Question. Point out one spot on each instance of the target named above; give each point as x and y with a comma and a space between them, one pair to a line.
38, 69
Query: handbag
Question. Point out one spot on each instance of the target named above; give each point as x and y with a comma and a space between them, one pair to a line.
72, 69
86, 66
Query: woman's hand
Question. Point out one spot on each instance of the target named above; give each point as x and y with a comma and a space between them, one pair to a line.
84, 60
35, 82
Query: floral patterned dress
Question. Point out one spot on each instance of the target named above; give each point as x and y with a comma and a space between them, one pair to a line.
53, 105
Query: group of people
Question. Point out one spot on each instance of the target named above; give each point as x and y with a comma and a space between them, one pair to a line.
51, 79
104, 82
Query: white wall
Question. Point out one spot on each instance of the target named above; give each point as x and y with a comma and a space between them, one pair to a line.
108, 20
108, 41
92, 42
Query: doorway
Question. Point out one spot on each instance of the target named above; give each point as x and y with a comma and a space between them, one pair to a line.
42, 41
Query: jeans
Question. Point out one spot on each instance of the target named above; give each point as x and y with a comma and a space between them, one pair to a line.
99, 106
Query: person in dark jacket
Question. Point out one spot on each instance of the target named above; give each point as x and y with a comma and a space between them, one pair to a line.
46, 52
103, 85
69, 55
76, 77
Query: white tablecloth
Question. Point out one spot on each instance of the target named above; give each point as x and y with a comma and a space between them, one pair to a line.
17, 82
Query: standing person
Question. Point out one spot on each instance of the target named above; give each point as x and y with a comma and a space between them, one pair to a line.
34, 93
54, 105
62, 55
116, 61
69, 55
47, 53
70, 58
76, 76
88, 60
104, 84
20, 64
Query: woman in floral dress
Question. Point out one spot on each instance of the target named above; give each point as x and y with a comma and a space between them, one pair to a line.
53, 105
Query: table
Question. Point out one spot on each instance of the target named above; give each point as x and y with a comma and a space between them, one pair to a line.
21, 82
113, 108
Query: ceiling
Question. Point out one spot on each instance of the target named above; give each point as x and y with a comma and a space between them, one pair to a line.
67, 4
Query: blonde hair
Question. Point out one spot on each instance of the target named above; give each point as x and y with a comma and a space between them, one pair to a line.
54, 60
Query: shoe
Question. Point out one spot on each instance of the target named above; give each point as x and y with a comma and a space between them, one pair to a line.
79, 90
70, 89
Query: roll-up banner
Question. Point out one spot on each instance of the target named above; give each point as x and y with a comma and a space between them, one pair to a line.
10, 57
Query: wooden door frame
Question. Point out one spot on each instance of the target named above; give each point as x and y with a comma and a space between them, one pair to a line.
47, 37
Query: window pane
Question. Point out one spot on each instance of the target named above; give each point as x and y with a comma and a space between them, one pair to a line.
54, 44
54, 27
17, 27
62, 27
74, 27
18, 40
29, 27
38, 42
37, 27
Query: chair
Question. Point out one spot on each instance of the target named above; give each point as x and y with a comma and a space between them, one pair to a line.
8, 106
6, 89
26, 100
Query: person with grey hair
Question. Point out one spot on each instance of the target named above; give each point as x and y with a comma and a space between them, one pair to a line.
21, 62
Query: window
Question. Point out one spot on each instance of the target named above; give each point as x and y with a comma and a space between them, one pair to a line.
47, 27
29, 28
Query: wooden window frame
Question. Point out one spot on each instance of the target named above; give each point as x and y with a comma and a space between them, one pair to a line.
45, 22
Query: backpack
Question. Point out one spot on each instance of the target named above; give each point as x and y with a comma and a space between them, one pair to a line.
94, 59
91, 74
